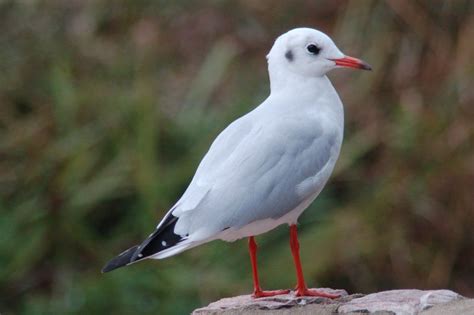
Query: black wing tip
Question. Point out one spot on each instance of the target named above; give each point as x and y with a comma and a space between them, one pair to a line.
108, 268
121, 260
163, 238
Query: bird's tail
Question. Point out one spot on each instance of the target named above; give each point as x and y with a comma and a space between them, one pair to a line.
160, 244
121, 260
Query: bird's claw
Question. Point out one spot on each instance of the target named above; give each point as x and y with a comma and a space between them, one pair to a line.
260, 293
314, 292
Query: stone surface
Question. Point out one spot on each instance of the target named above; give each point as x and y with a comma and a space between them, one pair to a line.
395, 302
399, 302
462, 306
281, 304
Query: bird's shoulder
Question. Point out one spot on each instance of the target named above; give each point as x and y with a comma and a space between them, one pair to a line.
272, 129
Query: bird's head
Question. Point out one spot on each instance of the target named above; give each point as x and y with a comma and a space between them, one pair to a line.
308, 52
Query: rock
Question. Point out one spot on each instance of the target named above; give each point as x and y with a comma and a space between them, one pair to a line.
462, 306
280, 304
399, 302
395, 302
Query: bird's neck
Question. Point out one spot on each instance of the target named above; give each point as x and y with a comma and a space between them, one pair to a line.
284, 81
290, 84
306, 93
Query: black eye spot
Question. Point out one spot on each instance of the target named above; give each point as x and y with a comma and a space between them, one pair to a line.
289, 55
313, 49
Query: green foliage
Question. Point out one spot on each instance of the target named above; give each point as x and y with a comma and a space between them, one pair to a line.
107, 107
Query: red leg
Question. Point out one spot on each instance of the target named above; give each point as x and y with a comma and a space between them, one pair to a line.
301, 289
257, 291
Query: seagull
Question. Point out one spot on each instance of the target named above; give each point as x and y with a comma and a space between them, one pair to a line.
266, 167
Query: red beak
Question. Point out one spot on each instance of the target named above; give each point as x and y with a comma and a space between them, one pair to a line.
351, 62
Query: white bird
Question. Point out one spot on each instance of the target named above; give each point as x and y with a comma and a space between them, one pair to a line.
266, 167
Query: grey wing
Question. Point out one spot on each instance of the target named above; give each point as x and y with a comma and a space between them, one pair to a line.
263, 171
221, 150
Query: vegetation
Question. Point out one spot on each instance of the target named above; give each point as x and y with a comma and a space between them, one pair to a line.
106, 108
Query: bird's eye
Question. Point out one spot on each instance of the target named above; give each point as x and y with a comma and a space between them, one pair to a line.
313, 49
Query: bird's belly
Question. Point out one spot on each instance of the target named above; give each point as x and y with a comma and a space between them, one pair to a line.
265, 225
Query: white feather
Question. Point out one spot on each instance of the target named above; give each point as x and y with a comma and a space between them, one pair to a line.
266, 167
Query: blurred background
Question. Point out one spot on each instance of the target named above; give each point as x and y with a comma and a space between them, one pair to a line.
107, 107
